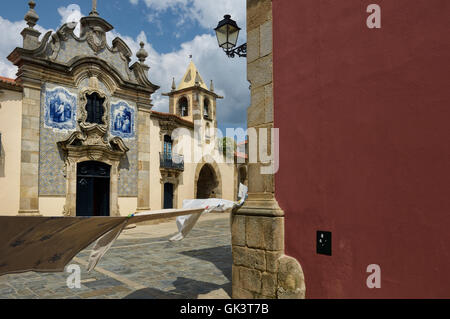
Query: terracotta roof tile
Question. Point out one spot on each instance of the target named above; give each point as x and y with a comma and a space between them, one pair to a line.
9, 81
172, 115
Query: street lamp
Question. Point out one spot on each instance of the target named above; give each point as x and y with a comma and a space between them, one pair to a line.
227, 33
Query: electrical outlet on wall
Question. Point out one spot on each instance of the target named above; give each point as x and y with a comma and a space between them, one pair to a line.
324, 243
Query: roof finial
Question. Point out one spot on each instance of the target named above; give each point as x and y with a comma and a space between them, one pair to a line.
142, 54
94, 8
173, 85
31, 17
211, 87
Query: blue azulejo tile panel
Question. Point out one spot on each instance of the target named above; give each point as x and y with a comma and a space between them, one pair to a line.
122, 120
52, 181
60, 107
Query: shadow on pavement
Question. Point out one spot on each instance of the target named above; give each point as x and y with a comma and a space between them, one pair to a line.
221, 257
186, 288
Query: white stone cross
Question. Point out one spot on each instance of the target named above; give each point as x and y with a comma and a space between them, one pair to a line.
94, 5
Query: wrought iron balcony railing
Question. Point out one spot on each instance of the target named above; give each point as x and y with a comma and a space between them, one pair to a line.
172, 161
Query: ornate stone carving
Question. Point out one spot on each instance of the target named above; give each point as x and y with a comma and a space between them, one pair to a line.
96, 39
60, 36
169, 176
166, 127
83, 112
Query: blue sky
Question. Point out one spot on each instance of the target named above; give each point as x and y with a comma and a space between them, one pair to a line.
171, 29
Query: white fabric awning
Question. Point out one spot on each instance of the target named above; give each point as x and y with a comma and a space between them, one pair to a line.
48, 244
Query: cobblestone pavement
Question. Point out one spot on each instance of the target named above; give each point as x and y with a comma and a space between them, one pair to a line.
143, 264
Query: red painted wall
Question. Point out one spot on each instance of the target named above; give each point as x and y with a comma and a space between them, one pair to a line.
364, 117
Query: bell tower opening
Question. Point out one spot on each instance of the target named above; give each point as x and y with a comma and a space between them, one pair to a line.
183, 107
206, 114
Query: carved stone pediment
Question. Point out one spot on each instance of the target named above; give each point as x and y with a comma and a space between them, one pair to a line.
166, 127
169, 176
80, 144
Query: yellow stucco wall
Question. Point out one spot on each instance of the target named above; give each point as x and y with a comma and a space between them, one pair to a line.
229, 181
11, 129
127, 205
51, 206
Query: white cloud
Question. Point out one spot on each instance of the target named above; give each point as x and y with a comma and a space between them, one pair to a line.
10, 38
206, 13
71, 13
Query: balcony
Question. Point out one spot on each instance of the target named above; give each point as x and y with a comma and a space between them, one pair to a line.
171, 161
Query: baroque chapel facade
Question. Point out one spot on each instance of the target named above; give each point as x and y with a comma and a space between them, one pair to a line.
79, 137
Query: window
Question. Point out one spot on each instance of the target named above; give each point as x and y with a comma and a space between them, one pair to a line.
183, 107
94, 108
167, 146
206, 109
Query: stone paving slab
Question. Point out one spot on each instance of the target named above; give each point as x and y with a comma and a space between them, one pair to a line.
143, 264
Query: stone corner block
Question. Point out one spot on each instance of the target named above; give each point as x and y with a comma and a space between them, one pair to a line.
291, 280
265, 232
253, 45
250, 279
242, 294
269, 285
259, 72
238, 230
250, 258
265, 41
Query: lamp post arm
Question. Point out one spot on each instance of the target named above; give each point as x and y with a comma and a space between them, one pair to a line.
240, 51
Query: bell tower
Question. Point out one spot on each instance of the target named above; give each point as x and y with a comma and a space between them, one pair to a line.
193, 101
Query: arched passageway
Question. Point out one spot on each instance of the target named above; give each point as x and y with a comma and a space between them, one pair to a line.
207, 183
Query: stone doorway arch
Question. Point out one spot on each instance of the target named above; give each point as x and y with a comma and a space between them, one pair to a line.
208, 181
93, 189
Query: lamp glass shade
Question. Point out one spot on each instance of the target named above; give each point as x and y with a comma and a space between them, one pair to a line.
233, 34
222, 36
227, 33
